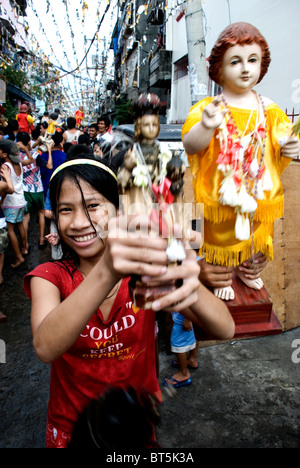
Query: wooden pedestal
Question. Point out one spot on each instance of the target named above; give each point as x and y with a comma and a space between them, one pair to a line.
252, 311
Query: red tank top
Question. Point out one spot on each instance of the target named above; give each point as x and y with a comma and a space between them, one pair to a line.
119, 352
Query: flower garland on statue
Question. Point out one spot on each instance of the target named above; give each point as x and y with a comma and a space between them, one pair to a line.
241, 161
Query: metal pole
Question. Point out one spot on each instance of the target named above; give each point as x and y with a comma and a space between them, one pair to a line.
196, 50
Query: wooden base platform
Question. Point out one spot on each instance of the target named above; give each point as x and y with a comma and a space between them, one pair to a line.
252, 311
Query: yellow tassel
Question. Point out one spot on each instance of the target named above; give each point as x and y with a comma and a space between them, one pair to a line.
267, 211
218, 213
270, 210
239, 253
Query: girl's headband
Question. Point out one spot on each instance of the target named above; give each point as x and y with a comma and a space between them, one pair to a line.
91, 162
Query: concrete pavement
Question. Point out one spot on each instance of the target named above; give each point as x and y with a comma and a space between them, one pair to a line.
244, 394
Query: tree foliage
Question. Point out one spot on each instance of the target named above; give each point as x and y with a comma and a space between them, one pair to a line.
17, 78
124, 111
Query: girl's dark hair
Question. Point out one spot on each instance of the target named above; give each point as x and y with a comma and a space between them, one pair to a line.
102, 181
239, 33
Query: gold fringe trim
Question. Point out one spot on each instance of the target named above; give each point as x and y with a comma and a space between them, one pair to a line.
267, 211
218, 213
239, 253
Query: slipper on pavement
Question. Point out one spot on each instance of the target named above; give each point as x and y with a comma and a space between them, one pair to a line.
177, 383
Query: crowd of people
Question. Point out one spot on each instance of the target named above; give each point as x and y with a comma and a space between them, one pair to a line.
32, 150
84, 321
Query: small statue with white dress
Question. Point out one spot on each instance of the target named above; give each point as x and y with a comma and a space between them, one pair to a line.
151, 181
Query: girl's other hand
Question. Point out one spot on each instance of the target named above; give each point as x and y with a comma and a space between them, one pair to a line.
215, 276
132, 250
183, 296
252, 268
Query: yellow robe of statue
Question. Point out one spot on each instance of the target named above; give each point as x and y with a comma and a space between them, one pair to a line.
220, 244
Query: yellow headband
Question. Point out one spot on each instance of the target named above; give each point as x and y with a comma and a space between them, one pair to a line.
91, 162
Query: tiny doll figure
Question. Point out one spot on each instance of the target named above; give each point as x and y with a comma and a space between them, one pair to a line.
151, 180
79, 116
238, 145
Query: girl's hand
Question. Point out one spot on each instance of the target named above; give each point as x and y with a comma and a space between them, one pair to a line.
132, 251
183, 296
215, 276
52, 238
252, 269
212, 115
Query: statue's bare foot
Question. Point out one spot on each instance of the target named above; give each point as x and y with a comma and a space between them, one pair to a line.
256, 283
226, 293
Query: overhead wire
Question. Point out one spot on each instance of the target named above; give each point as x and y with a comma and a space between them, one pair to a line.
73, 70
86, 53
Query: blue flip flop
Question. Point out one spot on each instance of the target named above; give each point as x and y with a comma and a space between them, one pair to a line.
178, 383
175, 365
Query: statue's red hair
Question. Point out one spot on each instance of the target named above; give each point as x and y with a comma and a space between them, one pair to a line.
239, 33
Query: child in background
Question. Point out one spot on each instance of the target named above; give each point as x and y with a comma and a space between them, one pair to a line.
184, 345
14, 204
236, 155
52, 124
102, 150
72, 133
33, 188
58, 157
46, 117
6, 187
40, 138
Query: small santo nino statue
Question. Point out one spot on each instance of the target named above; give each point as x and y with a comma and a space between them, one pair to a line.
151, 182
79, 116
238, 144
